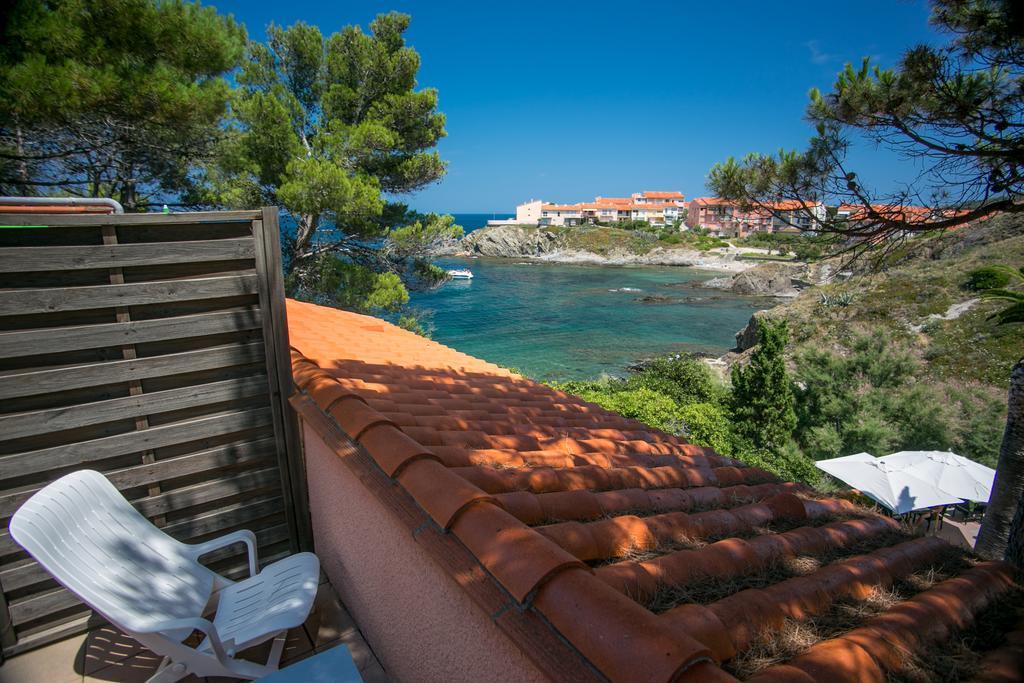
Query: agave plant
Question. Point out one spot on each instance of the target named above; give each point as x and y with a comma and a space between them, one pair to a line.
1014, 313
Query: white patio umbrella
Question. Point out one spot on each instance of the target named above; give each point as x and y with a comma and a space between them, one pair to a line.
897, 490
947, 471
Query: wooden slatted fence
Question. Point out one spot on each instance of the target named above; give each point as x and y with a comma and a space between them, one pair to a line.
152, 348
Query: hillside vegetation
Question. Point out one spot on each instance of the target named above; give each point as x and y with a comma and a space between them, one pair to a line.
921, 298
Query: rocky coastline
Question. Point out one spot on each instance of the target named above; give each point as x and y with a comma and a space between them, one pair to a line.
512, 241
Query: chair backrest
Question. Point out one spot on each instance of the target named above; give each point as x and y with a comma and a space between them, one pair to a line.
83, 531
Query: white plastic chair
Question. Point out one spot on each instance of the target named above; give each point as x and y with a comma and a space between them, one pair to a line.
153, 587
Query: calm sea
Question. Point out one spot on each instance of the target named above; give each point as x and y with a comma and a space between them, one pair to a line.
553, 321
473, 221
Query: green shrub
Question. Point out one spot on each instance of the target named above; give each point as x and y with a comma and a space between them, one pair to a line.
787, 462
684, 378
708, 424
646, 405
987, 277
874, 399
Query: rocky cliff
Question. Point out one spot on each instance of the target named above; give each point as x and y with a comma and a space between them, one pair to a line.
511, 241
605, 246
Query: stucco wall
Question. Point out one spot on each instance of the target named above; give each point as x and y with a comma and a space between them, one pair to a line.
419, 623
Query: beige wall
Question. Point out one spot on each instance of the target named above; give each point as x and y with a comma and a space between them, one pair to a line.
528, 213
420, 624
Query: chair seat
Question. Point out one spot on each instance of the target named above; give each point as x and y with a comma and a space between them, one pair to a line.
278, 598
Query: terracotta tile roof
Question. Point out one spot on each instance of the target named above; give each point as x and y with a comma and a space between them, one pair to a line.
591, 519
662, 195
794, 204
711, 201
910, 214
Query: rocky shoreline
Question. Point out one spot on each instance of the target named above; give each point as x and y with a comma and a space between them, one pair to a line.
543, 245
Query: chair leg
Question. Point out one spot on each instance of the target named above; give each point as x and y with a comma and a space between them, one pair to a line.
276, 650
168, 672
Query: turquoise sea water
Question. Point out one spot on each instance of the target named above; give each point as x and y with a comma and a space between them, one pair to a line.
554, 321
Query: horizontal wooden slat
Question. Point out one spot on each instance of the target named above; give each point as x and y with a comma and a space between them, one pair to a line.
33, 383
44, 259
83, 452
57, 299
50, 633
208, 491
212, 460
265, 538
224, 518
57, 339
33, 422
130, 219
37, 606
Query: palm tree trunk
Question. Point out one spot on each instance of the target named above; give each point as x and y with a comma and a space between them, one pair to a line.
1002, 530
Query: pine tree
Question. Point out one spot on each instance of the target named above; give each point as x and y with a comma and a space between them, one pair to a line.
329, 128
762, 398
112, 98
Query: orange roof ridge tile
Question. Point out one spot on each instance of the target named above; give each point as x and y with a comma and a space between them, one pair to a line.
486, 453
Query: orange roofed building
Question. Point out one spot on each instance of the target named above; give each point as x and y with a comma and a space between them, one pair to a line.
481, 526
724, 218
656, 208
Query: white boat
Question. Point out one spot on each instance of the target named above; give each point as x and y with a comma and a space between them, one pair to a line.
460, 274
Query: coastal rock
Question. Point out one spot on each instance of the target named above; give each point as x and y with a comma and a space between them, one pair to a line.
658, 299
771, 279
766, 279
510, 241
747, 337
557, 246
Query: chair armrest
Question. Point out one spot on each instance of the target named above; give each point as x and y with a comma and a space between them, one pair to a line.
241, 536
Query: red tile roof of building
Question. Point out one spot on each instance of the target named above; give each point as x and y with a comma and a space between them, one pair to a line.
711, 201
661, 195
910, 214
794, 204
587, 517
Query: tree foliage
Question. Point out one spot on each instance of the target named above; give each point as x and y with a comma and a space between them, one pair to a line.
871, 399
762, 398
326, 128
957, 111
116, 98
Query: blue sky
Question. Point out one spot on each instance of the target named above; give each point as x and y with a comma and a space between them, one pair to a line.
566, 100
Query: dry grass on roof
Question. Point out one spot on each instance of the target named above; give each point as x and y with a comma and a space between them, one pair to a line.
709, 591
795, 637
960, 657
